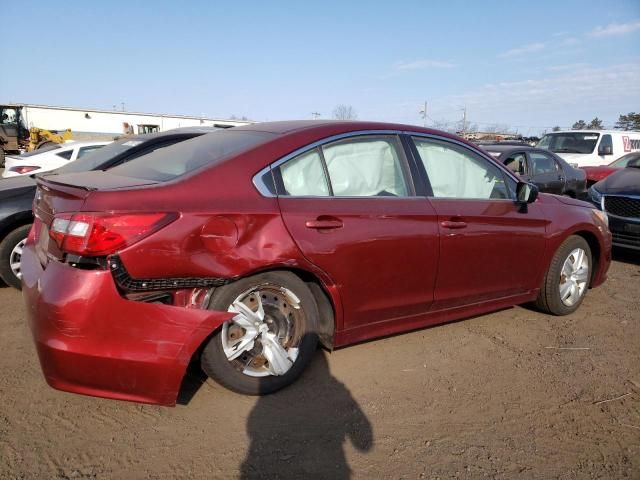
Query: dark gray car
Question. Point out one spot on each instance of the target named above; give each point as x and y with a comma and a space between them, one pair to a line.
549, 172
16, 194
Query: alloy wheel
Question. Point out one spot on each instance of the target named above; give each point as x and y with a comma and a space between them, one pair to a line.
264, 337
574, 277
14, 258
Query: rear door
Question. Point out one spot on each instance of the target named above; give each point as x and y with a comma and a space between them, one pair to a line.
351, 207
489, 249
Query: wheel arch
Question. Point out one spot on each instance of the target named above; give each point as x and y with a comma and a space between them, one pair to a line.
326, 299
328, 306
17, 220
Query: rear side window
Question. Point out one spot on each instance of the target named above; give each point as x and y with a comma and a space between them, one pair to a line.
541, 164
168, 163
304, 176
455, 172
369, 166
66, 155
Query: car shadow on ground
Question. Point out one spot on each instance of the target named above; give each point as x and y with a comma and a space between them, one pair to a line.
626, 255
301, 431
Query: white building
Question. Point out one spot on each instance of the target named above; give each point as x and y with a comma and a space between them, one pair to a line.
91, 122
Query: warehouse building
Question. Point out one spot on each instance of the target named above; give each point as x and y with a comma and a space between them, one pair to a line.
93, 123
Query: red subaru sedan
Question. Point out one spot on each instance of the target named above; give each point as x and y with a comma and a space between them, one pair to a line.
243, 248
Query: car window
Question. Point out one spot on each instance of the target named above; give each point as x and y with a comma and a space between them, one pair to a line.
516, 163
171, 162
456, 172
304, 175
366, 167
66, 155
541, 163
625, 160
48, 148
84, 150
569, 142
633, 162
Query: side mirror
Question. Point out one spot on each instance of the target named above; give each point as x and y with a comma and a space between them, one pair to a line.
526, 193
605, 150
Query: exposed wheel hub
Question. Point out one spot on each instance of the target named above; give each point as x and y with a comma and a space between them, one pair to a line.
263, 338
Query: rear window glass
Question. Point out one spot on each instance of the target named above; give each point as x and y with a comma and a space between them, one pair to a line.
174, 161
97, 158
48, 148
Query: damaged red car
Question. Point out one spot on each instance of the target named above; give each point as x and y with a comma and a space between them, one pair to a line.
242, 249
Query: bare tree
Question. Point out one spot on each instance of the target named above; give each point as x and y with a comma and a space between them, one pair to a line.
344, 112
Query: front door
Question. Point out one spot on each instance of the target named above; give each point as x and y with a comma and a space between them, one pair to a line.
489, 249
544, 171
351, 209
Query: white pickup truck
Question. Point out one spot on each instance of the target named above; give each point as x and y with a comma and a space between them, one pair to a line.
591, 148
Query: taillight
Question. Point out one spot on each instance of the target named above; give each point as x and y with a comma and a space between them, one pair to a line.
99, 234
23, 169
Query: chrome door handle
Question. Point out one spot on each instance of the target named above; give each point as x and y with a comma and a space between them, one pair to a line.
324, 223
453, 225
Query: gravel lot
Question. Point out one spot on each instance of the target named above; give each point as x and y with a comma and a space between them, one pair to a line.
515, 394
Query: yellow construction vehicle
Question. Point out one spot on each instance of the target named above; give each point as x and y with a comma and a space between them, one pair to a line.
38, 138
15, 138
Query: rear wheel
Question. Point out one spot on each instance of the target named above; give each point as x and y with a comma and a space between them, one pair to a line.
567, 279
11, 254
270, 339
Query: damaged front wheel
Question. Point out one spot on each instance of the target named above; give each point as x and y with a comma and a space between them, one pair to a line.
271, 337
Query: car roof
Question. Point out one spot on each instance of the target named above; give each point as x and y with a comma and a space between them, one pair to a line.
337, 126
168, 133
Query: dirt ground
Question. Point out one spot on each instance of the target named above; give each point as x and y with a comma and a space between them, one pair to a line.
514, 394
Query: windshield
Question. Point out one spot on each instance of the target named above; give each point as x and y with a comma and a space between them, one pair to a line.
569, 142
97, 158
184, 157
629, 160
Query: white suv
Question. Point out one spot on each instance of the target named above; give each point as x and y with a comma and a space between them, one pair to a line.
591, 148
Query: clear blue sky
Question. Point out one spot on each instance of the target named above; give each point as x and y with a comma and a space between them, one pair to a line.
527, 65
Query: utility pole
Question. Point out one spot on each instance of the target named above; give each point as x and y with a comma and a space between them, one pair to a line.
315, 115
423, 114
464, 119
122, 103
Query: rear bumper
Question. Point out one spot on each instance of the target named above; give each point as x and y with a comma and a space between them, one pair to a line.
90, 340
